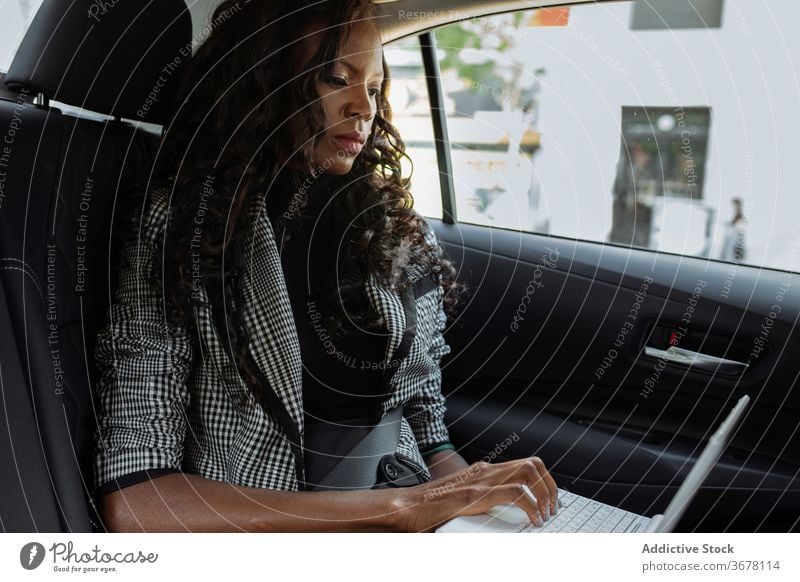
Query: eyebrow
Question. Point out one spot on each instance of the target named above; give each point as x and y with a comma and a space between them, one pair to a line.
354, 69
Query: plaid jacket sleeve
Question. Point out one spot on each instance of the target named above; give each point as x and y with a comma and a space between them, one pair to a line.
425, 409
143, 363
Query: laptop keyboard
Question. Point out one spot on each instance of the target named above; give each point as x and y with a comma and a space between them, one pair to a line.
580, 514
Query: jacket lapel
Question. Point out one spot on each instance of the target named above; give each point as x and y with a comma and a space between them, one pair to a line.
268, 315
389, 306
399, 311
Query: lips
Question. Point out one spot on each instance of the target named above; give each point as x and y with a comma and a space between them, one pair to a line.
351, 142
351, 136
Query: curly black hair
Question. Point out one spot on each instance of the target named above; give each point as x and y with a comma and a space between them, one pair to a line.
228, 146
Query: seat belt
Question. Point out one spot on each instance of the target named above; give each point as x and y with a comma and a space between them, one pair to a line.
358, 469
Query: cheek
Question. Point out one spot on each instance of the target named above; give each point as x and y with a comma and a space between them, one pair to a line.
330, 107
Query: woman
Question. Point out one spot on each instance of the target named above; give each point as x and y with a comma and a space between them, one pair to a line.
282, 129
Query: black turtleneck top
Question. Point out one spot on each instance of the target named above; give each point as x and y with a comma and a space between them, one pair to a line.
342, 375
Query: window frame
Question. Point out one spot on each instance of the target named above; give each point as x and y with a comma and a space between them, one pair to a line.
427, 43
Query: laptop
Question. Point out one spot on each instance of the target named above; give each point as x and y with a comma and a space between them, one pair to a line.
579, 514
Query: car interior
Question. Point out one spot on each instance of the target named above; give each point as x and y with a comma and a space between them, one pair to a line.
618, 422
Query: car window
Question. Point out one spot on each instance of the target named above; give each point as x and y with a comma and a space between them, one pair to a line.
412, 117
16, 17
659, 125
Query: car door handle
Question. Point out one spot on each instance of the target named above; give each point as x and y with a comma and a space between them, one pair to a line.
691, 359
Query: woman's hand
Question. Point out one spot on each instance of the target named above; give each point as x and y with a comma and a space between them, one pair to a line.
476, 489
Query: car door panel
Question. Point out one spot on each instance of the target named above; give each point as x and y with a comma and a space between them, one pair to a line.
611, 420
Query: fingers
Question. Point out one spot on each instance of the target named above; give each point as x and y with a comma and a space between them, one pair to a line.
530, 471
538, 483
550, 483
528, 502
485, 498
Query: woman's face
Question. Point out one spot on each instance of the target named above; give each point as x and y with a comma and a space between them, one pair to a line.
349, 97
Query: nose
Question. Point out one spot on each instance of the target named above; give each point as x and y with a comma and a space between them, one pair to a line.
359, 103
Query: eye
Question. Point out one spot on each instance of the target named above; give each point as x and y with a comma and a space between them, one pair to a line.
374, 91
336, 81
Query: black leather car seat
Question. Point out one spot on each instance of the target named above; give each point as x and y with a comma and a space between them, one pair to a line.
64, 178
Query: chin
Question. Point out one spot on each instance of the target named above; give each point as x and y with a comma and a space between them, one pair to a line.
342, 171
339, 169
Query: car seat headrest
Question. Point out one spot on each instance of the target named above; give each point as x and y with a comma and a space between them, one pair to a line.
6, 93
117, 57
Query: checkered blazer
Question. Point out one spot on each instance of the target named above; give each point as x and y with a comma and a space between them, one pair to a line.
171, 400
